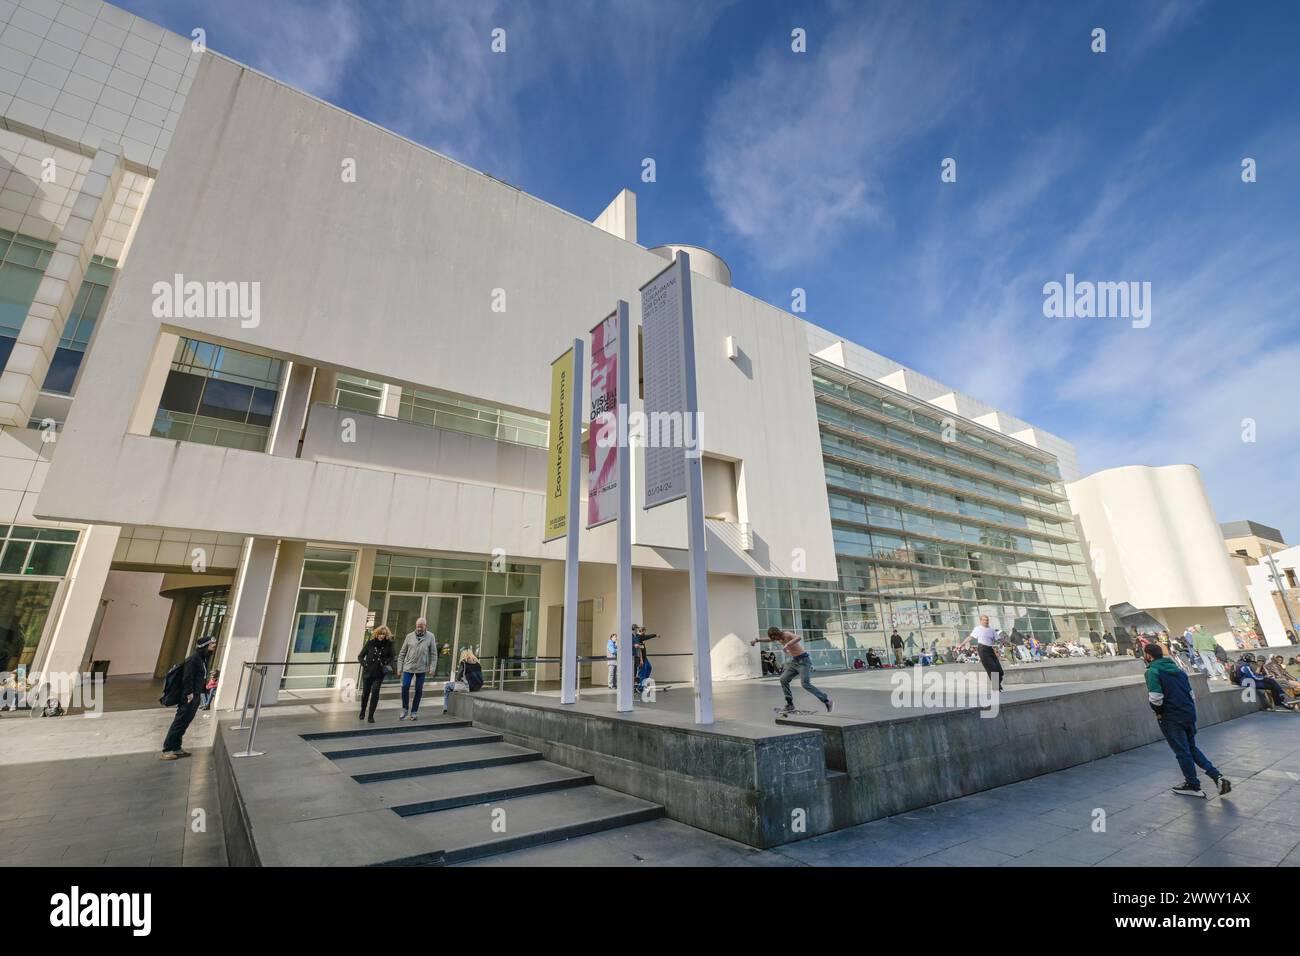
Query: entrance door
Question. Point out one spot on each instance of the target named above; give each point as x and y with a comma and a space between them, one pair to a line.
442, 614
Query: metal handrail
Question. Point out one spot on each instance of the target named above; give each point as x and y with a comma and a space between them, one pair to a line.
248, 750
288, 664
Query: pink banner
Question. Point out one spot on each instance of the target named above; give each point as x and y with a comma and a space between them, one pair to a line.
602, 459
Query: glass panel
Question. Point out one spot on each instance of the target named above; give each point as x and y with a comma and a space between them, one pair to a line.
24, 608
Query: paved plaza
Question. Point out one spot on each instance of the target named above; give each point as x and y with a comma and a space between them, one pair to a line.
90, 792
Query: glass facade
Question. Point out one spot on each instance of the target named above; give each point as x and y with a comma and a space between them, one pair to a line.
319, 617
33, 562
933, 526
493, 612
216, 395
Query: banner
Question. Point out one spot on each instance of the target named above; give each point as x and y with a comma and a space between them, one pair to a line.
557, 457
668, 427
602, 436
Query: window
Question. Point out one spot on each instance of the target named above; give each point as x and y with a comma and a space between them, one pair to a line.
359, 394
424, 408
81, 323
216, 395
22, 263
44, 552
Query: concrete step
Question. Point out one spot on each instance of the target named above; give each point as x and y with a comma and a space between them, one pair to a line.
450, 791
389, 726
431, 738
424, 762
467, 833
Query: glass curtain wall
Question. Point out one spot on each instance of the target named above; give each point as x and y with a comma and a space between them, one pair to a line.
934, 523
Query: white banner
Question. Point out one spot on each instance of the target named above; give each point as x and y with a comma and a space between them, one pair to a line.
668, 429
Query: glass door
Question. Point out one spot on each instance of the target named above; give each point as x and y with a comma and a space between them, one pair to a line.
441, 613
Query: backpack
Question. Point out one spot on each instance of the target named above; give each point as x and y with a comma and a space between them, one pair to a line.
1234, 675
173, 686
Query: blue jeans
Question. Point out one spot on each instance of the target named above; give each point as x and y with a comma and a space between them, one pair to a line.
800, 667
1182, 741
406, 690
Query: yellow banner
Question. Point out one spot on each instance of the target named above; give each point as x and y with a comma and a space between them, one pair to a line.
557, 457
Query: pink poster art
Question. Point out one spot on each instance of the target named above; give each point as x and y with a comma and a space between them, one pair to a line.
602, 460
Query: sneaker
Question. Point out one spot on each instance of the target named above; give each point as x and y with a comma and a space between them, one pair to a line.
1187, 790
1225, 786
787, 709
412, 718
402, 716
829, 705
182, 753
169, 755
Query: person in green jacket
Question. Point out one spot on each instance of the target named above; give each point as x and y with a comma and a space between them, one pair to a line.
1204, 644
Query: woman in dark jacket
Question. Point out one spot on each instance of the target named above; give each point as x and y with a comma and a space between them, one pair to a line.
468, 672
376, 659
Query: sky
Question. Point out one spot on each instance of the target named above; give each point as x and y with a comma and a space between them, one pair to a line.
821, 170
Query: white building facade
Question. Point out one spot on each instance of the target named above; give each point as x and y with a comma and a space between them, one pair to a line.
313, 396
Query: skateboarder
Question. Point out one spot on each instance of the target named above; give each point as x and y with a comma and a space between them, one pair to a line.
985, 637
1170, 694
799, 664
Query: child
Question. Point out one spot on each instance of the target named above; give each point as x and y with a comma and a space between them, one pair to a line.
210, 689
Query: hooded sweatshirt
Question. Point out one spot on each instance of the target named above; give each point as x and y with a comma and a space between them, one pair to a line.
1169, 692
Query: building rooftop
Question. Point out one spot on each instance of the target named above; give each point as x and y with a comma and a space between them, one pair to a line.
1244, 529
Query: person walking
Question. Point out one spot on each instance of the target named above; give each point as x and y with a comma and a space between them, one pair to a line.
799, 665
985, 638
611, 661
376, 659
896, 643
1169, 693
417, 659
194, 678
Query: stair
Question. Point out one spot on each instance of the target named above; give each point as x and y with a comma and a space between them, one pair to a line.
474, 794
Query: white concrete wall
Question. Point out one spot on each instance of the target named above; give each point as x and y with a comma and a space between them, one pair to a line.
393, 276
1265, 597
1154, 538
131, 633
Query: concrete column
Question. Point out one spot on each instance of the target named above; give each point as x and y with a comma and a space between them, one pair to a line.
354, 636
69, 643
293, 411
24, 374
244, 625
392, 401
175, 633
277, 624
151, 389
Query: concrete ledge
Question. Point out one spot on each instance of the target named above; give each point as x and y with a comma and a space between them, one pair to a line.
730, 779
1067, 669
892, 766
235, 827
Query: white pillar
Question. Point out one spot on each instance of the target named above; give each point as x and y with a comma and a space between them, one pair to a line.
244, 625
82, 590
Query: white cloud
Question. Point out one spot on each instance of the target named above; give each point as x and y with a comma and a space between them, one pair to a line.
796, 146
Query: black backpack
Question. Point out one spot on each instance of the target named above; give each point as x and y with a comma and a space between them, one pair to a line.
173, 686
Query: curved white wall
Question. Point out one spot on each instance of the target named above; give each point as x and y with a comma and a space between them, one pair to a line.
703, 262
1154, 538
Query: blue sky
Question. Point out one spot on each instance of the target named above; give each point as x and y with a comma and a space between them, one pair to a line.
821, 171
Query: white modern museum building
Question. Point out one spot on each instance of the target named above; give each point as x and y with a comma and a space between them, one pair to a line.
274, 373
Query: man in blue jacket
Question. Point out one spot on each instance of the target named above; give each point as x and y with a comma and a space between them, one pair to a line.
1170, 694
